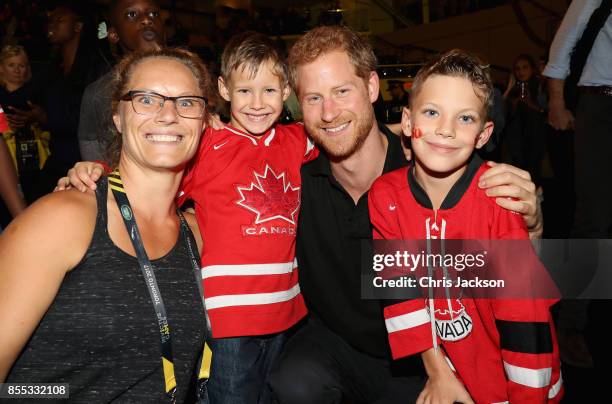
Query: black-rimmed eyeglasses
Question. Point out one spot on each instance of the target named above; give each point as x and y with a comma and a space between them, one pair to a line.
150, 103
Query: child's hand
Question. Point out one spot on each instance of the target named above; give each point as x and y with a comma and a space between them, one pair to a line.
82, 176
444, 390
442, 387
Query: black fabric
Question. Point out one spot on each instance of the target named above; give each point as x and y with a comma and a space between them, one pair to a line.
581, 51
330, 232
593, 166
319, 366
524, 337
100, 334
63, 106
456, 192
524, 139
30, 91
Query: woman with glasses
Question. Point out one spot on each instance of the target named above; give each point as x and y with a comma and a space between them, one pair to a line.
99, 289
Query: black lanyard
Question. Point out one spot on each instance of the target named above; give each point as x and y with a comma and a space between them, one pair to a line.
115, 183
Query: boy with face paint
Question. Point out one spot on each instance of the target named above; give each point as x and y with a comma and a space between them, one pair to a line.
134, 25
438, 198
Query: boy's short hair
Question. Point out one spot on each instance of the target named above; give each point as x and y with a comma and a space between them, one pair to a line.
249, 50
458, 63
326, 39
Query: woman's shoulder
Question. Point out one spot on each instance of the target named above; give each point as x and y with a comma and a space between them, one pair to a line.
63, 217
52, 235
66, 204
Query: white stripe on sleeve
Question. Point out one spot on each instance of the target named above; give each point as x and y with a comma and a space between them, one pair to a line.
556, 388
535, 378
406, 321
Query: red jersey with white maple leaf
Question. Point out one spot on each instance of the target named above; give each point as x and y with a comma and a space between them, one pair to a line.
504, 350
246, 191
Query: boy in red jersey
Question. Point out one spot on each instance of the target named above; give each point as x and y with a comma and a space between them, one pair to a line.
245, 182
506, 349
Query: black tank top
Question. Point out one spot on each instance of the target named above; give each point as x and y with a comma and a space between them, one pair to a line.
100, 334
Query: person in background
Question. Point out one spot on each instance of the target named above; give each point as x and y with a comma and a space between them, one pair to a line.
22, 97
399, 99
580, 56
72, 31
525, 132
133, 25
86, 316
9, 186
592, 122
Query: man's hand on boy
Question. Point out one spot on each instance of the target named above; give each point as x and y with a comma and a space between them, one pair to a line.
82, 176
513, 189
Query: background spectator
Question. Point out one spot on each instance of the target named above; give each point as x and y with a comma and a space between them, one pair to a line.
525, 135
22, 98
9, 189
72, 30
132, 26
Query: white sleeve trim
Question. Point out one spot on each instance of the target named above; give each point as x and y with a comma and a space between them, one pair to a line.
407, 321
556, 388
535, 378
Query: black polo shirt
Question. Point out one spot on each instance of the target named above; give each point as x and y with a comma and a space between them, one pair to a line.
330, 232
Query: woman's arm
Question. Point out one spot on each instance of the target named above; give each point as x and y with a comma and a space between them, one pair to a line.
9, 189
36, 251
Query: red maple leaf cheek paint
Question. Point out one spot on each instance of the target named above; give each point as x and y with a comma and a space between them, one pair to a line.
417, 133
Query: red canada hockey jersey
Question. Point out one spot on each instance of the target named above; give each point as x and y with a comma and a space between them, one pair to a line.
4, 126
246, 191
504, 350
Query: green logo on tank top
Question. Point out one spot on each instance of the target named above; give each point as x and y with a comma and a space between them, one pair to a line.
126, 212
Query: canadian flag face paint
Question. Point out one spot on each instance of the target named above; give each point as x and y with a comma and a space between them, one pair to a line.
417, 133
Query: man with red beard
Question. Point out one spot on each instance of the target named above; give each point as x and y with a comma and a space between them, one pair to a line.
133, 25
341, 353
